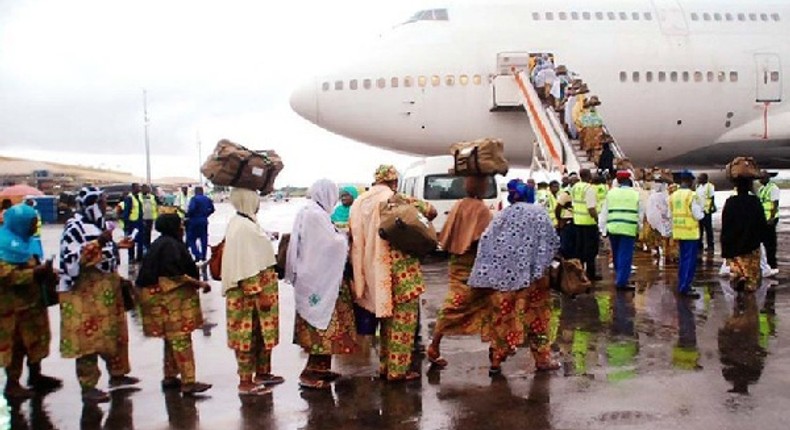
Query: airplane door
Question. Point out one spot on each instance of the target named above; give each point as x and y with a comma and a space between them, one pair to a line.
671, 17
769, 78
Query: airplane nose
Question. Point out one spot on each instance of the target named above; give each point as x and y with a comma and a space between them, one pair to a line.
304, 101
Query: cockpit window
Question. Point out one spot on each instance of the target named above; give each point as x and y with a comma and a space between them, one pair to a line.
429, 15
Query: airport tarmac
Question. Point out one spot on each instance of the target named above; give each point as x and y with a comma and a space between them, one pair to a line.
640, 360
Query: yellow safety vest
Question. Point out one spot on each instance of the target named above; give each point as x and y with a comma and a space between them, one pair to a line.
684, 225
135, 212
547, 199
566, 213
708, 197
622, 205
152, 198
581, 214
765, 199
600, 193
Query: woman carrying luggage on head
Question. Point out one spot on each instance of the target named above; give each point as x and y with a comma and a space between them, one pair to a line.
462, 312
513, 258
92, 316
169, 284
317, 254
250, 287
387, 281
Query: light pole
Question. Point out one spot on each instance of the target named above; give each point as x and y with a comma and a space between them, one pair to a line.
200, 159
147, 143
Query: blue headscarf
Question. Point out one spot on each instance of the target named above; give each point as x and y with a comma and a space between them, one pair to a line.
518, 191
15, 234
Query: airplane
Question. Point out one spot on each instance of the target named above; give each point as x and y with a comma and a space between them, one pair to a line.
684, 83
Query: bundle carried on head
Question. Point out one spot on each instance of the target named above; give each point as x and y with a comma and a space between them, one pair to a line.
236, 166
742, 168
482, 157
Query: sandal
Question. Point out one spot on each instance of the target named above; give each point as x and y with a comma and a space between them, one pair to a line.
325, 374
94, 395
410, 376
494, 371
435, 358
194, 388
548, 367
268, 380
313, 384
257, 390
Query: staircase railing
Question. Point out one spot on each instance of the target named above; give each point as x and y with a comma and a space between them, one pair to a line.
548, 142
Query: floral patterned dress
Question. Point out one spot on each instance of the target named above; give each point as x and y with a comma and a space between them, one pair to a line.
244, 312
340, 337
463, 310
18, 294
170, 309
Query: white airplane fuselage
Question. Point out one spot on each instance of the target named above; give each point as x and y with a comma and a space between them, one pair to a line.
683, 83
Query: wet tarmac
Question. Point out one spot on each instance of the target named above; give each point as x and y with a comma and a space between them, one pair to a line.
642, 360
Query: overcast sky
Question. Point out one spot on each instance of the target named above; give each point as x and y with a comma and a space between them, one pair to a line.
72, 75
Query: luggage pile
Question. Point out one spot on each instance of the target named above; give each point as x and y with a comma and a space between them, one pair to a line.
482, 157
233, 165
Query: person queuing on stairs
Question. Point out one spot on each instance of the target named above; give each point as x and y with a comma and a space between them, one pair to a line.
92, 317
132, 218
606, 158
462, 312
317, 255
387, 281
559, 87
743, 229
250, 287
577, 110
168, 283
570, 102
514, 254
591, 128
769, 198
585, 222
200, 209
150, 210
24, 322
620, 218
706, 192
687, 211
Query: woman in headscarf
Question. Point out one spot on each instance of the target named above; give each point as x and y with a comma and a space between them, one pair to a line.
463, 307
387, 281
93, 322
24, 323
342, 212
316, 260
249, 284
743, 229
512, 260
170, 305
659, 219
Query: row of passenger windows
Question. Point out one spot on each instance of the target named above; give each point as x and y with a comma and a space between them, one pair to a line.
705, 16
587, 16
647, 16
685, 76
407, 81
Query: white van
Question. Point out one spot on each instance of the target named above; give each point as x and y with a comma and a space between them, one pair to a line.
427, 179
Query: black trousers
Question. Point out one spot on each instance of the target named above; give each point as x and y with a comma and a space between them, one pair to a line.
770, 245
587, 243
706, 231
568, 241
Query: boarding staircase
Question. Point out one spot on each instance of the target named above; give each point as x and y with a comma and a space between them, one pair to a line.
554, 152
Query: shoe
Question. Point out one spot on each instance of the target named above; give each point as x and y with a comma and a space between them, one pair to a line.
44, 383
122, 381
95, 395
18, 392
194, 388
690, 294
171, 383
772, 273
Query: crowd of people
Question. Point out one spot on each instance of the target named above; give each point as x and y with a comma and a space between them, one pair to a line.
347, 279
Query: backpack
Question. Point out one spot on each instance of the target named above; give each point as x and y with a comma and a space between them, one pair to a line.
406, 229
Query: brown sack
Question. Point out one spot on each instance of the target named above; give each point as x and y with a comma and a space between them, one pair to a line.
743, 167
406, 229
282, 254
236, 166
569, 277
482, 157
215, 261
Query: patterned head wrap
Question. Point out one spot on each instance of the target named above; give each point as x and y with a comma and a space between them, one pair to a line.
88, 200
386, 173
518, 191
15, 234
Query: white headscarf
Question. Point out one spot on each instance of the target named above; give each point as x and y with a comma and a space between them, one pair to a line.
658, 213
317, 256
248, 250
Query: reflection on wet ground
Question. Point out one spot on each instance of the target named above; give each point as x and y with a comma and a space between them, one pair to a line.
639, 359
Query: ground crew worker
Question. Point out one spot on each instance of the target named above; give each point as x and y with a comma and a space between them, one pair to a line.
564, 214
769, 197
585, 221
545, 198
150, 210
687, 210
705, 191
182, 201
601, 189
132, 220
621, 216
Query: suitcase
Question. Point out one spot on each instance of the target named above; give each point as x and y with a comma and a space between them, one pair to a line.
569, 277
482, 157
406, 229
233, 165
743, 167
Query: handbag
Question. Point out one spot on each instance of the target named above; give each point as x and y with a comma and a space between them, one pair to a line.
215, 261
